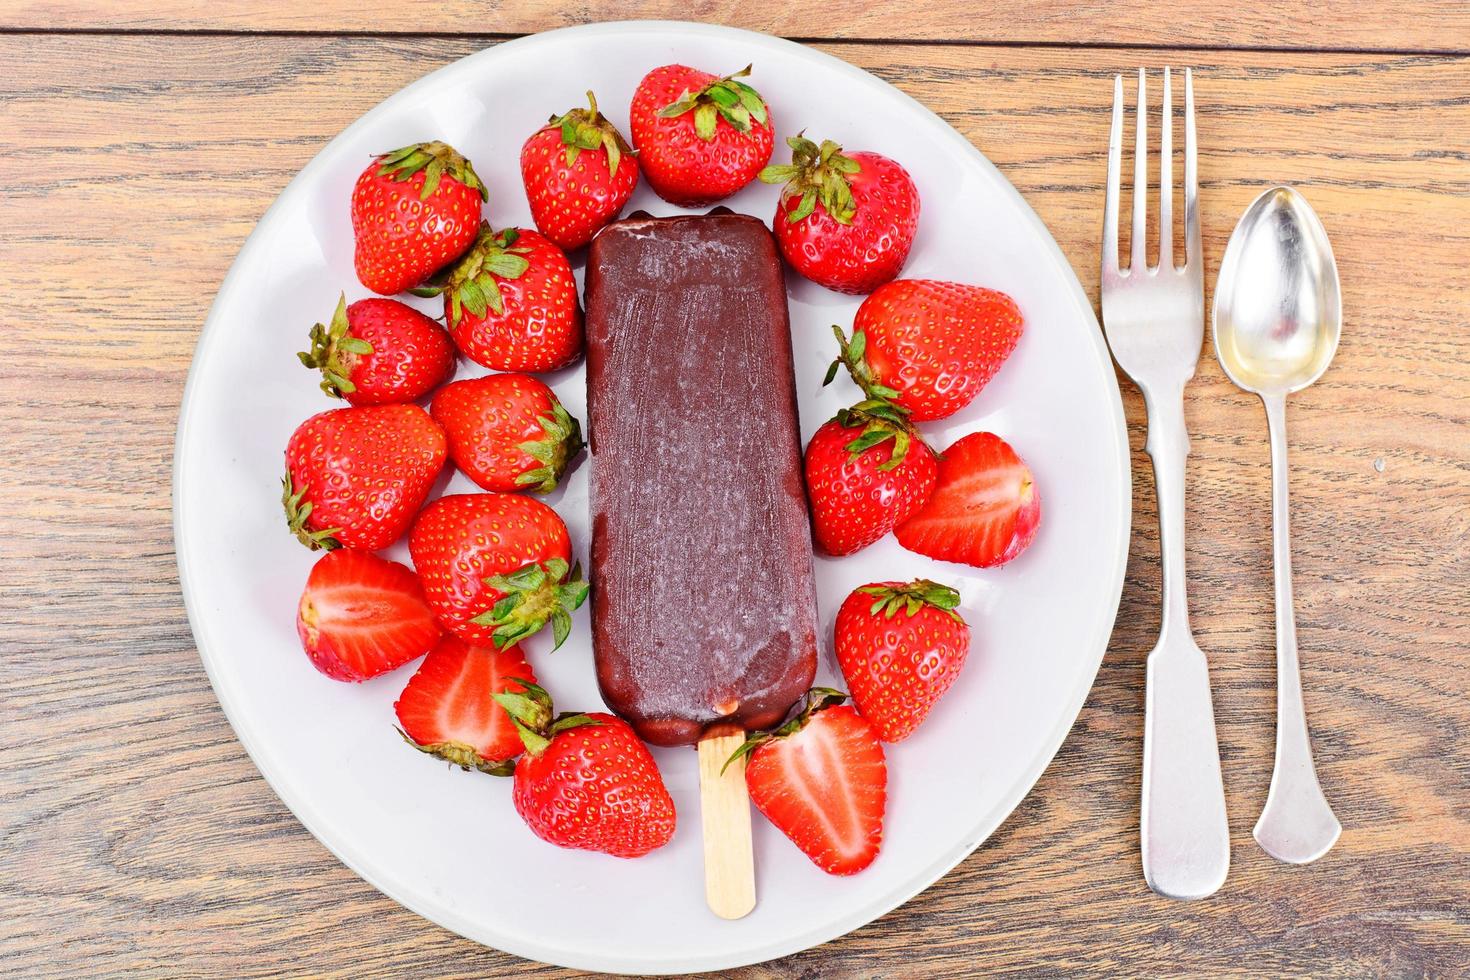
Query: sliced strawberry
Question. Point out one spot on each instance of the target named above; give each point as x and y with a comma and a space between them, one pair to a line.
985, 509
361, 616
447, 709
822, 781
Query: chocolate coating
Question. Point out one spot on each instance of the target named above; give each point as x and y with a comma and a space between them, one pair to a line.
703, 605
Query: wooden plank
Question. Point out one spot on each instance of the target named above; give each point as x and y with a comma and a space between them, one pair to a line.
1390, 25
138, 836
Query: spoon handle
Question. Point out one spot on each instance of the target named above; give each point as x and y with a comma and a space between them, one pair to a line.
1297, 825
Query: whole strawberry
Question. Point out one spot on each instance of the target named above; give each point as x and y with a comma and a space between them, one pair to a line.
900, 646
845, 221
355, 477
866, 471
579, 172
507, 431
929, 346
414, 211
361, 616
700, 137
822, 780
379, 352
448, 711
495, 567
985, 509
511, 302
586, 781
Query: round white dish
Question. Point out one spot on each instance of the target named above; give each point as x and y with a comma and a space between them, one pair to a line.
448, 844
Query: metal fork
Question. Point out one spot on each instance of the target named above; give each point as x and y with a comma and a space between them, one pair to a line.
1154, 319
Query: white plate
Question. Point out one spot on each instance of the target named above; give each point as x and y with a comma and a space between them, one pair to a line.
448, 844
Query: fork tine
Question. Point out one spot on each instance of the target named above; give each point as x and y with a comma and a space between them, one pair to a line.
1193, 256
1115, 161
1166, 181
1139, 261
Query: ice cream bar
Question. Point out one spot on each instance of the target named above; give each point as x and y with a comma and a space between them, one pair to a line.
703, 606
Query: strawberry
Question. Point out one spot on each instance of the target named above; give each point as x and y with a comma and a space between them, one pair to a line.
414, 211
378, 351
507, 431
821, 779
587, 781
355, 477
494, 567
866, 470
929, 346
700, 138
845, 221
511, 302
985, 509
447, 709
572, 193
361, 616
900, 646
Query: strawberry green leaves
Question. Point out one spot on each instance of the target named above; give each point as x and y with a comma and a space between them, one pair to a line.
298, 509
817, 699
727, 98
530, 711
534, 595
889, 599
588, 129
334, 351
435, 160
472, 283
816, 174
560, 446
850, 355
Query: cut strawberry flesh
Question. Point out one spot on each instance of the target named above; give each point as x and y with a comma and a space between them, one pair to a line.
985, 509
447, 708
361, 616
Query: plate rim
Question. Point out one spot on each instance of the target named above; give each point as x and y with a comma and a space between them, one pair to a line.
487, 934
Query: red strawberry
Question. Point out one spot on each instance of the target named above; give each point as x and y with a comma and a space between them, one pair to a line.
361, 616
414, 211
494, 567
866, 470
378, 351
507, 431
355, 477
929, 346
845, 221
900, 647
573, 193
700, 138
821, 779
586, 781
511, 303
985, 509
447, 709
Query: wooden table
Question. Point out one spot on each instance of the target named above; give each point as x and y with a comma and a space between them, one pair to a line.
140, 142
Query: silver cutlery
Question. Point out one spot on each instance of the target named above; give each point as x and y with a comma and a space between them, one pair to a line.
1154, 321
1277, 319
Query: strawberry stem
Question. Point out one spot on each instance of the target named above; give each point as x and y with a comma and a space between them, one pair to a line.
880, 421
462, 755
473, 282
436, 159
815, 174
911, 597
850, 355
562, 443
298, 510
531, 712
533, 595
588, 129
725, 98
817, 699
334, 352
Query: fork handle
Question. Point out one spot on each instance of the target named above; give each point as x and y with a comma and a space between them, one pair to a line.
1185, 834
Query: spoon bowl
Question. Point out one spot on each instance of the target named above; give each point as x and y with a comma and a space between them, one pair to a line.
1278, 306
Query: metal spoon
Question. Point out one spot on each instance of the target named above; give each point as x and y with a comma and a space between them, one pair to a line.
1277, 319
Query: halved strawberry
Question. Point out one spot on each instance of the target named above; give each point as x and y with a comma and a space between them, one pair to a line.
447, 711
985, 509
821, 779
361, 616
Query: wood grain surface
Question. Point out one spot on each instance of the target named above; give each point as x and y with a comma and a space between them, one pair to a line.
138, 837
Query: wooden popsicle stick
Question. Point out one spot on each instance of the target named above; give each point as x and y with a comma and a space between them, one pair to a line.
724, 804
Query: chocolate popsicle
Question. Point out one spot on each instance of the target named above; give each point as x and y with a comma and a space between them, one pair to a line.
703, 606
